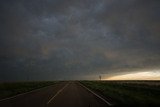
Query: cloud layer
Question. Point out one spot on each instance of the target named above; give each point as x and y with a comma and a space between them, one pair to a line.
61, 39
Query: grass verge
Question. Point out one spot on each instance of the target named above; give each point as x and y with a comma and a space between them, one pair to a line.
11, 89
127, 93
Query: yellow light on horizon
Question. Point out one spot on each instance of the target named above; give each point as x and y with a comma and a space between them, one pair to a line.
149, 75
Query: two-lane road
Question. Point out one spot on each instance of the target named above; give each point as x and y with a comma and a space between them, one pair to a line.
66, 94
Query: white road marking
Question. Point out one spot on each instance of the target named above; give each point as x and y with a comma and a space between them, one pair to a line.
96, 95
25, 93
57, 93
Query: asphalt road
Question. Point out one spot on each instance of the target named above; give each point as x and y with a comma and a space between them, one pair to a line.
66, 94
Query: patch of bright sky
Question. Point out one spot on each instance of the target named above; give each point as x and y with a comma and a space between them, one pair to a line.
145, 75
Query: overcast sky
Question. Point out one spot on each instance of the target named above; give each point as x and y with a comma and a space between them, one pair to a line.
78, 39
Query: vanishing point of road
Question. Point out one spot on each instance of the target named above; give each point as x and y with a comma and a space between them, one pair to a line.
63, 94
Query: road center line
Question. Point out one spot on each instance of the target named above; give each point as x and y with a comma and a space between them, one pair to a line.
57, 93
96, 95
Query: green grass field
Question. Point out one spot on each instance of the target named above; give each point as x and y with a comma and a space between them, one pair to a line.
125, 93
14, 88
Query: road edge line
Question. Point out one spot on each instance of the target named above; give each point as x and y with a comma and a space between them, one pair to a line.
96, 94
25, 93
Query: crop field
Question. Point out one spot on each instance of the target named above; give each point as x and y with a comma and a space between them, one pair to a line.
125, 93
14, 88
119, 93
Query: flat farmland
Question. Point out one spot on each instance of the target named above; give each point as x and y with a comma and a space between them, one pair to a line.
9, 89
80, 94
125, 93
61, 94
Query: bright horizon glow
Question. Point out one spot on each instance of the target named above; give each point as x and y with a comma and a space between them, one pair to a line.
149, 75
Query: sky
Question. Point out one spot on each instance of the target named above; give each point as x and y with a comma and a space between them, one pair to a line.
79, 39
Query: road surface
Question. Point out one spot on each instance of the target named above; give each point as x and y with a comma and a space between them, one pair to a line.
65, 94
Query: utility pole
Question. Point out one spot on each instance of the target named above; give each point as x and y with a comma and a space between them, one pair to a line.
100, 77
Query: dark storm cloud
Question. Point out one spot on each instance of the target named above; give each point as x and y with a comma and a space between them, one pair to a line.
72, 39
